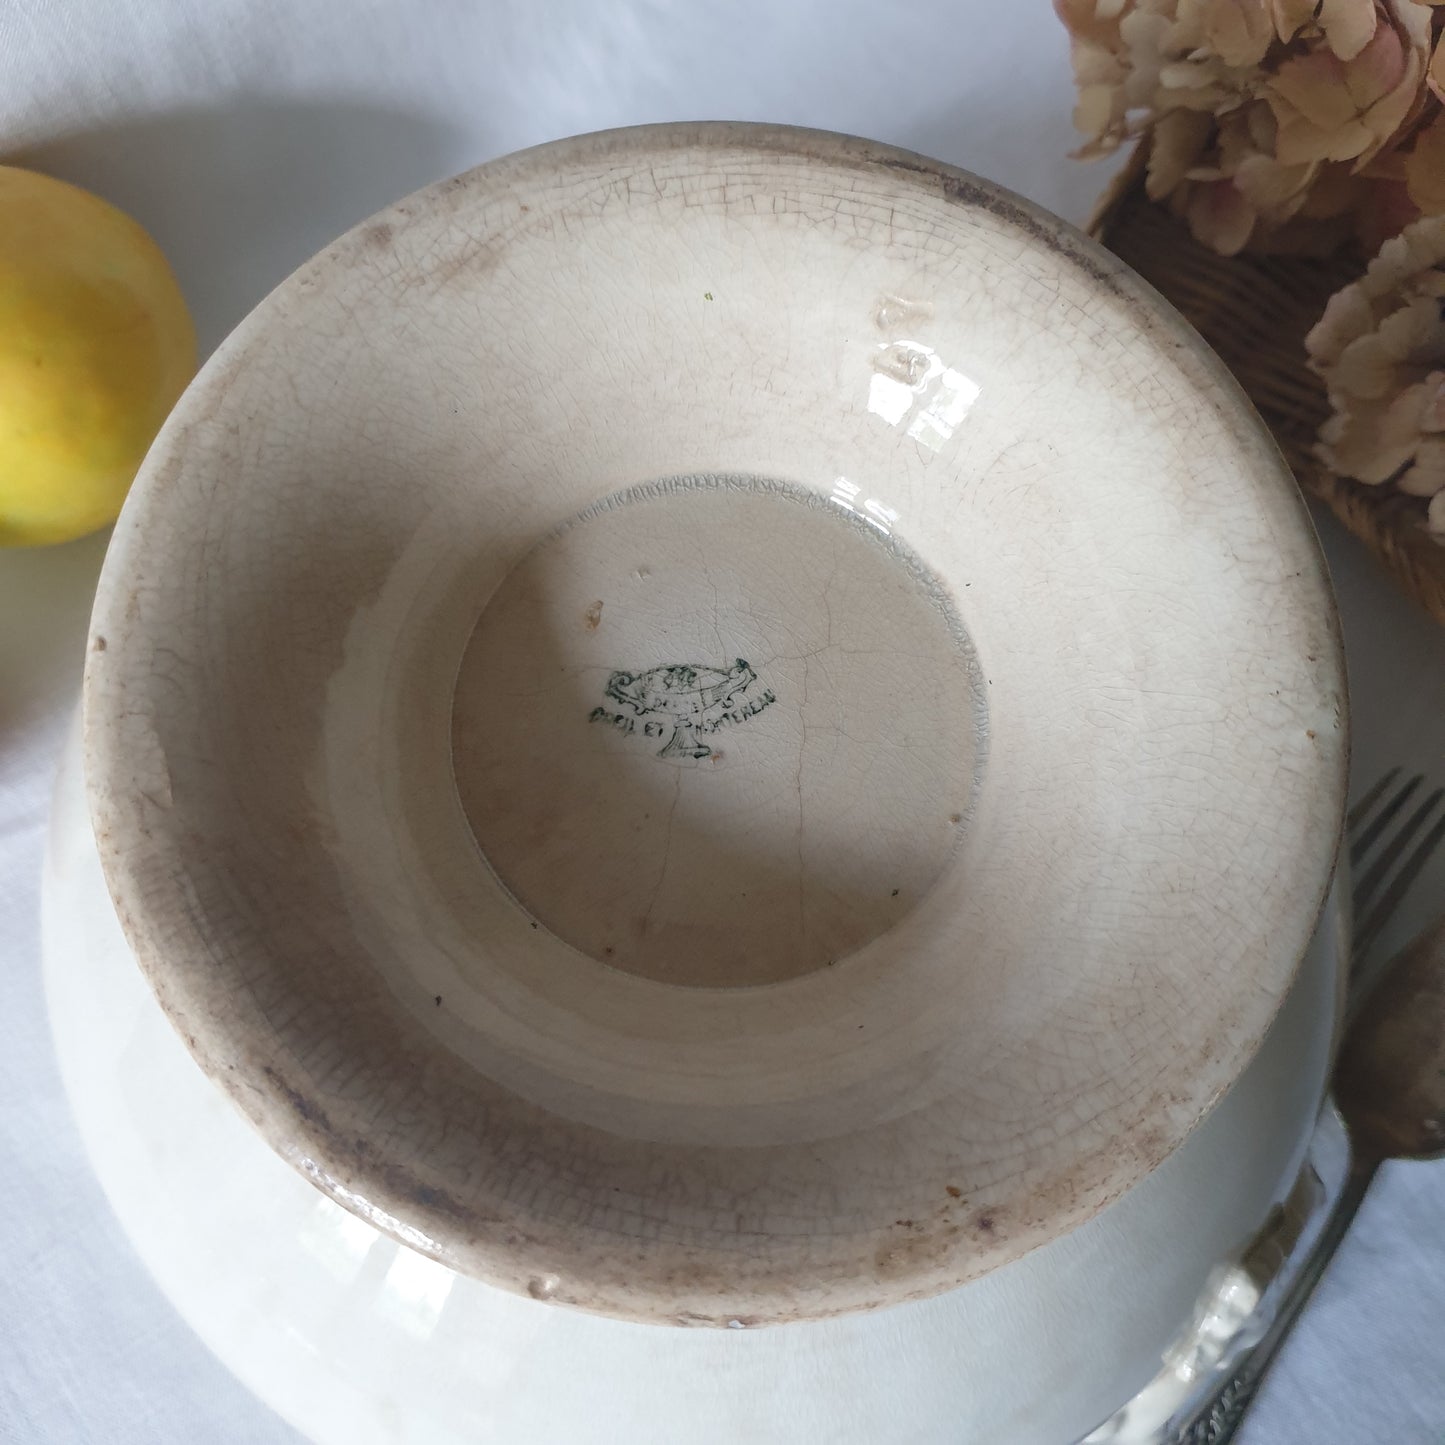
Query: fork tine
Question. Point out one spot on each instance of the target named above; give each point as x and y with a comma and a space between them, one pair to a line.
1368, 929
1357, 814
1370, 880
1377, 893
1372, 830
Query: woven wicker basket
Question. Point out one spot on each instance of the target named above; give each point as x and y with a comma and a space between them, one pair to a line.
1254, 311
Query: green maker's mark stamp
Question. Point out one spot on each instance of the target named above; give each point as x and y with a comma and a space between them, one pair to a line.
685, 701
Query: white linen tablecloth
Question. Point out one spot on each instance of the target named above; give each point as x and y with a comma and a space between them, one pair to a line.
247, 133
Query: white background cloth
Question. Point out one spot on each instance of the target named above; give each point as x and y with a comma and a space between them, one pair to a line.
247, 133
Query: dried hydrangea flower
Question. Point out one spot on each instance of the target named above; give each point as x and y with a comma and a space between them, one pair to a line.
1424, 169
1420, 168
1380, 349
1332, 108
1259, 111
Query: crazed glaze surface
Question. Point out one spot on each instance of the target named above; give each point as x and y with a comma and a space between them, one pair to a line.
290, 789
357, 1339
733, 823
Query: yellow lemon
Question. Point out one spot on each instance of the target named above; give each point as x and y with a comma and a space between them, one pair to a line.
96, 344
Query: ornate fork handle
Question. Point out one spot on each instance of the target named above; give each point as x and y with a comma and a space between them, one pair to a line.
1219, 1418
1388, 1094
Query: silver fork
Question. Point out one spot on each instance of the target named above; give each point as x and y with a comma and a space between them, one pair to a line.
1211, 1372
1386, 858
